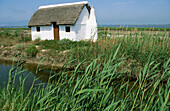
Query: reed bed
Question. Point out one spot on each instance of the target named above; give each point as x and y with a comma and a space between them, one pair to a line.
101, 79
92, 89
134, 28
135, 48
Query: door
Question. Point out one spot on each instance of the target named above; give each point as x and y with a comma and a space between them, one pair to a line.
56, 31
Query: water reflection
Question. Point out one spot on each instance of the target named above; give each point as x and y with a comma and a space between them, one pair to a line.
43, 74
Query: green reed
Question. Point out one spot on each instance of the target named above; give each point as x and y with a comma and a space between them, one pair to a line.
119, 73
134, 47
95, 88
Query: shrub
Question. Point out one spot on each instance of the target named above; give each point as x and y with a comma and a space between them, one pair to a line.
1, 34
38, 39
16, 33
62, 45
103, 34
20, 47
31, 51
24, 38
7, 33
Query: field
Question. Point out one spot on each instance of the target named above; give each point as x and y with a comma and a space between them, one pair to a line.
123, 70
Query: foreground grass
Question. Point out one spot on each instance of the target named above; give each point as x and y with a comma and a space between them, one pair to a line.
96, 88
115, 73
135, 49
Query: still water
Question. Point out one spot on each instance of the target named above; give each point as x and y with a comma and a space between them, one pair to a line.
42, 75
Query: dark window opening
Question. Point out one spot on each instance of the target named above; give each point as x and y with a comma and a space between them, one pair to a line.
67, 29
38, 29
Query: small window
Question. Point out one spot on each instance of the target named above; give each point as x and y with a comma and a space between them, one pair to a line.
38, 29
67, 28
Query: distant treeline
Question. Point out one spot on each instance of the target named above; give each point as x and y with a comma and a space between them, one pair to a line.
134, 28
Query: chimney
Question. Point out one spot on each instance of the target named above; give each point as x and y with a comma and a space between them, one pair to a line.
92, 26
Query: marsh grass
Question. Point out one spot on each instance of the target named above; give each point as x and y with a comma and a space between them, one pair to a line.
31, 51
12, 36
95, 88
101, 78
62, 45
135, 48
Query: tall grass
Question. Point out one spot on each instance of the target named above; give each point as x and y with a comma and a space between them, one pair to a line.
95, 88
135, 48
62, 45
119, 73
12, 36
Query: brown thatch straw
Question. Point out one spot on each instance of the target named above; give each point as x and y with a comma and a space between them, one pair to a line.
62, 15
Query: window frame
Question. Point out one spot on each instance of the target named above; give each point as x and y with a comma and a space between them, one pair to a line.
67, 29
38, 29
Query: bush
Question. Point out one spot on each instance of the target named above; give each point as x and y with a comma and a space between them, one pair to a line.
20, 47
62, 45
5, 33
38, 39
16, 33
24, 38
31, 51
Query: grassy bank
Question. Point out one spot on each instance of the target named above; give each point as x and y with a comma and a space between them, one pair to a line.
135, 48
120, 71
95, 88
13, 36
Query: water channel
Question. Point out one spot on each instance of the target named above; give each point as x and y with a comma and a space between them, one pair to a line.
42, 75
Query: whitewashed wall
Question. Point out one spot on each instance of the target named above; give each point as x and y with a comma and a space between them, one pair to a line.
78, 31
46, 32
80, 26
92, 26
66, 35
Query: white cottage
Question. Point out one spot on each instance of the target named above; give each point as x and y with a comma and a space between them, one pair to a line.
74, 21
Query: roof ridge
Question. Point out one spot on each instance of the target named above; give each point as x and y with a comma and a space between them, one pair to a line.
63, 4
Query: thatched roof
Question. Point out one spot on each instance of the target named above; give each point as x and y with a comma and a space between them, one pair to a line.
62, 15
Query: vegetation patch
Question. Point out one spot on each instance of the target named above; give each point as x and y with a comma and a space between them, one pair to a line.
62, 45
31, 51
122, 70
99, 87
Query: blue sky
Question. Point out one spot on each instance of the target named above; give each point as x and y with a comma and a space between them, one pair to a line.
18, 12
